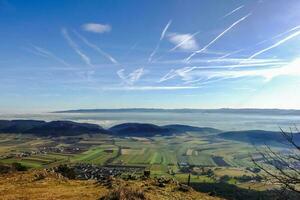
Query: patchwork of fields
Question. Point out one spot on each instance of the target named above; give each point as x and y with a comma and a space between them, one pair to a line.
159, 153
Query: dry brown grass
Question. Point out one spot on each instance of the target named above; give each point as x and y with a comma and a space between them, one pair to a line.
42, 185
26, 185
232, 172
125, 193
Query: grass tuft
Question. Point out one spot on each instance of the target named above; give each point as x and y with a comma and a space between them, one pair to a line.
125, 193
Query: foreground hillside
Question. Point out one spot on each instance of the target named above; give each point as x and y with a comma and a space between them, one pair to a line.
40, 184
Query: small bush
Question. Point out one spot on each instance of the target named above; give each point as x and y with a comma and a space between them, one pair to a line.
38, 177
125, 193
66, 171
18, 167
4, 169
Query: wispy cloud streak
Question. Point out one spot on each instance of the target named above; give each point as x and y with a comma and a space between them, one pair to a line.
165, 30
232, 69
145, 88
96, 48
276, 44
279, 35
233, 11
131, 78
75, 47
46, 53
230, 54
218, 37
163, 33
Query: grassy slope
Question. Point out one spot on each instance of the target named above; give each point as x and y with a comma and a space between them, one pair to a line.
26, 186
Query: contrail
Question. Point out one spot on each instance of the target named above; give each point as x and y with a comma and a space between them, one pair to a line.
229, 54
184, 41
279, 35
75, 47
163, 33
218, 37
165, 30
233, 11
96, 48
178, 72
35, 52
132, 77
276, 44
169, 75
153, 52
46, 53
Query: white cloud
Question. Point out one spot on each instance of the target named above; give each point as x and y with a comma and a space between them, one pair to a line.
132, 77
96, 28
183, 41
191, 37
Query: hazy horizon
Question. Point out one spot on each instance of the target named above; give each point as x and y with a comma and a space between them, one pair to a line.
44, 111
226, 121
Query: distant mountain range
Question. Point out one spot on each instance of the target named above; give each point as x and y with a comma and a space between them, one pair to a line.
185, 128
69, 128
221, 110
256, 136
19, 126
149, 130
138, 129
54, 128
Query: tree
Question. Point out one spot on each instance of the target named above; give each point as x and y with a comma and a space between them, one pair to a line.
282, 168
18, 166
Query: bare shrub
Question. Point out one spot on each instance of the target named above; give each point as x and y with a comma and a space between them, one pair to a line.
125, 193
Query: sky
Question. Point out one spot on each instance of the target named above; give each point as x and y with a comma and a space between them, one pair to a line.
71, 54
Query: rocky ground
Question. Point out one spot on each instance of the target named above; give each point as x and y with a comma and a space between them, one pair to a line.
44, 185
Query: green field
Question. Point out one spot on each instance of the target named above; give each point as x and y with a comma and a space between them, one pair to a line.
162, 155
159, 153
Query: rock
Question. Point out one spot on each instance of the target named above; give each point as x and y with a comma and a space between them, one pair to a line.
161, 185
183, 188
147, 173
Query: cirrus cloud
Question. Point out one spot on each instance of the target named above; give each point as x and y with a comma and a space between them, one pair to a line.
232, 70
183, 41
96, 27
132, 77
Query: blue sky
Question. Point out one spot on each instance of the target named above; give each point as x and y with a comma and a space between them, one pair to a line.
165, 54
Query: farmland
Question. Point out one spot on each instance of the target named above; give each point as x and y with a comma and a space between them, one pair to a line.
159, 153
206, 157
169, 156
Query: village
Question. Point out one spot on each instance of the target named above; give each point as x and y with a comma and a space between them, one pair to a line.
42, 150
86, 171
